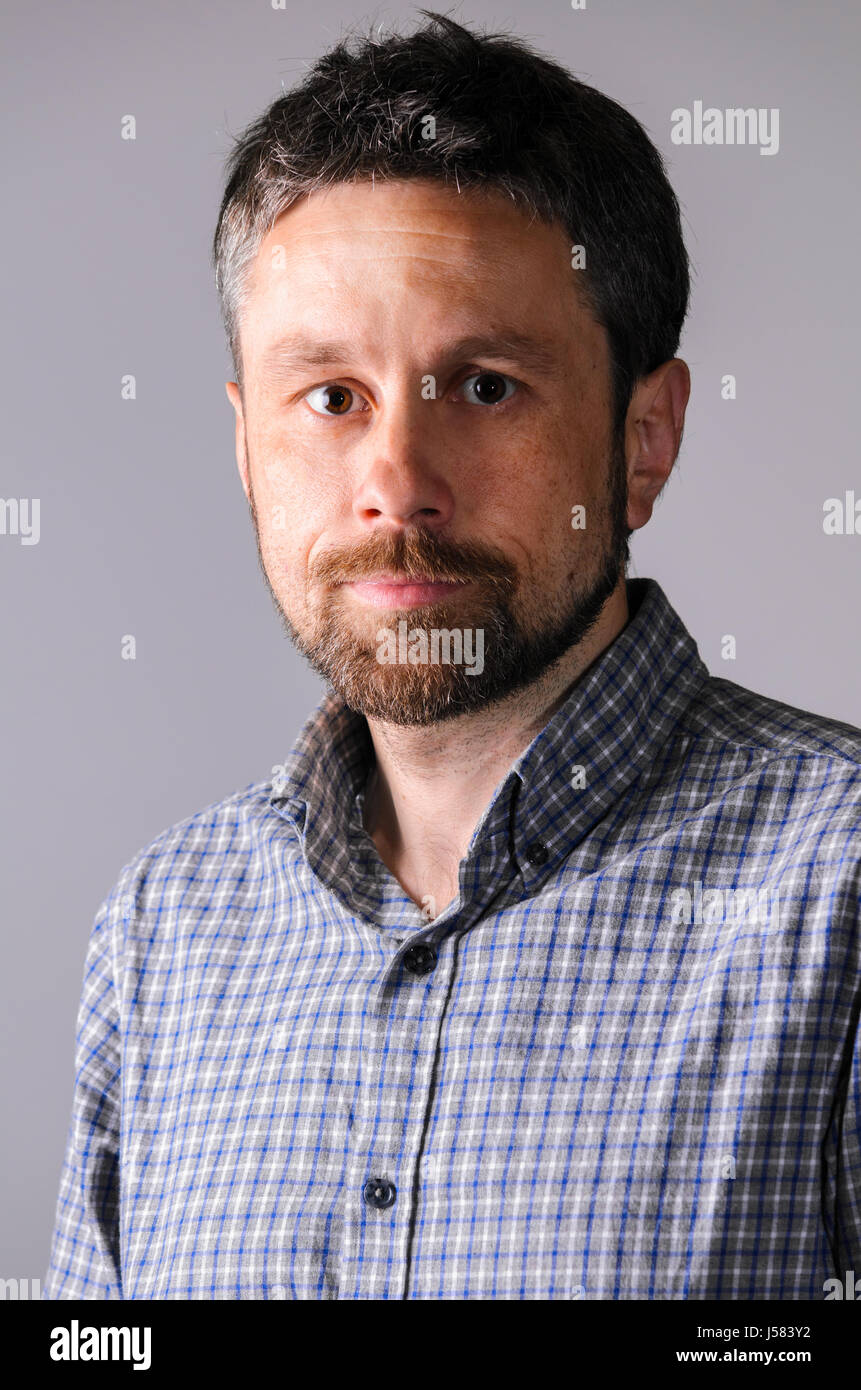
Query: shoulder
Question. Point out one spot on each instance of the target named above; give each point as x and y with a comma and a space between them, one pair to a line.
804, 762
733, 715
201, 851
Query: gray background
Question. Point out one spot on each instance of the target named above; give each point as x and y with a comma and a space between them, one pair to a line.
144, 527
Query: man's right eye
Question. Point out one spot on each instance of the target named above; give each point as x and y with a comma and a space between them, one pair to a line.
332, 400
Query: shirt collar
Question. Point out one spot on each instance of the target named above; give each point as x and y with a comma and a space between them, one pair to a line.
576, 769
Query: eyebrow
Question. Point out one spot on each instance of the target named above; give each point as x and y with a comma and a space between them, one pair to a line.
299, 350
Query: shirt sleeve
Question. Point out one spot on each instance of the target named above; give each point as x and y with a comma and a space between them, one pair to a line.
848, 1186
85, 1247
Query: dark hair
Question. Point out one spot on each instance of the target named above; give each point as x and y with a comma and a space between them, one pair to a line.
506, 119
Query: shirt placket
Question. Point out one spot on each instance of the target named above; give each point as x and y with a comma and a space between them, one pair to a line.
387, 1137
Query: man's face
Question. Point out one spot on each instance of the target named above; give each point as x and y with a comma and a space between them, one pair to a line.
426, 398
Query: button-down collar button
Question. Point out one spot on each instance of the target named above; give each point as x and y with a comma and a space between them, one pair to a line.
379, 1192
537, 853
420, 959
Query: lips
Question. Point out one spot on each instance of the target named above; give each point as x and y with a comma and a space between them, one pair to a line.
391, 591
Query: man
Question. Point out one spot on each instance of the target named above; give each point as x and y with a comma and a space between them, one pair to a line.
533, 972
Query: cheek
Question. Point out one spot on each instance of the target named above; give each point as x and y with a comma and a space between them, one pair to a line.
294, 478
543, 477
545, 498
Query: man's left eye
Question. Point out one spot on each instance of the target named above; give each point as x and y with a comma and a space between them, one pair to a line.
488, 388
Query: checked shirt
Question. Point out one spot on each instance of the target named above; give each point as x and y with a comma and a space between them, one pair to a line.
623, 1062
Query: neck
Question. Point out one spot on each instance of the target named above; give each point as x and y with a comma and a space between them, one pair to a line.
430, 786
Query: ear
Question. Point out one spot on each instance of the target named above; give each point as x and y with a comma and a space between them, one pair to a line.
234, 395
653, 434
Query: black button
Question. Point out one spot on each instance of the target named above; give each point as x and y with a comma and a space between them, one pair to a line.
420, 959
379, 1192
537, 852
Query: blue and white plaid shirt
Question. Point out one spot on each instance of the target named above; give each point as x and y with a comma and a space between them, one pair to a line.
602, 1072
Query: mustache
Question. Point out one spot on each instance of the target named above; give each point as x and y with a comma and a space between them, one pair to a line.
416, 554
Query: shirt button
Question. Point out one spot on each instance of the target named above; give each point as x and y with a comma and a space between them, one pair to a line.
420, 959
537, 852
379, 1192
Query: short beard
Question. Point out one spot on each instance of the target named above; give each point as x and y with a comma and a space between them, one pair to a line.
419, 695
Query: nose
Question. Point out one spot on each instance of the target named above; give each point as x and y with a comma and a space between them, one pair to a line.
403, 478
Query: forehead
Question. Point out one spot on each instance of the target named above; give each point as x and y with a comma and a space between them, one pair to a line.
414, 256
368, 209
408, 226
